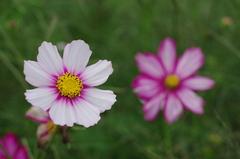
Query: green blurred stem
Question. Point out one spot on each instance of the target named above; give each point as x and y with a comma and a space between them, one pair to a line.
230, 136
11, 44
25, 143
13, 69
55, 152
175, 19
167, 140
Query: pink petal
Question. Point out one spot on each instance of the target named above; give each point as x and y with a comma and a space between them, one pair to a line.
190, 62
76, 56
198, 83
11, 144
37, 114
21, 153
146, 87
167, 54
35, 75
62, 112
152, 107
97, 73
102, 99
149, 64
41, 97
191, 101
173, 109
49, 59
87, 114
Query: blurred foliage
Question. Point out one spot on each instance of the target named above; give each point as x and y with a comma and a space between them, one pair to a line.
116, 31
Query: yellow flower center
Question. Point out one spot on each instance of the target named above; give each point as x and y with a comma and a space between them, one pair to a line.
171, 81
69, 85
51, 126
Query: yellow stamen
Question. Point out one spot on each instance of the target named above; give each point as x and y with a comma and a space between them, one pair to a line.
69, 85
51, 126
171, 82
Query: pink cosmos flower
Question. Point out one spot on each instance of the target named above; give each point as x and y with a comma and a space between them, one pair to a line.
66, 85
167, 83
10, 148
46, 128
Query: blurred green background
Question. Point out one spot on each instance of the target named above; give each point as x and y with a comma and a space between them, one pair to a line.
116, 30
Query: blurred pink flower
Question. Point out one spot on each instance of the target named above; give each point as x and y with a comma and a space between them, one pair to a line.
66, 85
46, 128
10, 148
169, 83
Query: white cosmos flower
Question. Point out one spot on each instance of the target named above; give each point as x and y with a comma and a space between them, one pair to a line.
65, 86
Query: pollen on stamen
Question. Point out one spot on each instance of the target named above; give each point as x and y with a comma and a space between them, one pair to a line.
51, 126
69, 85
171, 82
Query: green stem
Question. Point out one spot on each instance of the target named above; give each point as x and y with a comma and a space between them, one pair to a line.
13, 69
167, 140
232, 140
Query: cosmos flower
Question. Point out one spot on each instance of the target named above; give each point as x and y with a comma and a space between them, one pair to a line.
46, 127
10, 148
65, 86
167, 83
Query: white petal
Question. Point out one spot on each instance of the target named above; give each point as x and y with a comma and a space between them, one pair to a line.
37, 114
191, 101
149, 64
167, 54
173, 109
190, 62
62, 112
152, 107
76, 56
35, 75
198, 83
49, 59
41, 97
146, 87
102, 99
87, 114
97, 73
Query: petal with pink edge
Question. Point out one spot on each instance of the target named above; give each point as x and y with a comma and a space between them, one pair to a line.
152, 107
37, 114
42, 97
146, 87
49, 59
172, 109
43, 135
76, 56
36, 76
167, 54
198, 83
149, 64
190, 62
102, 99
96, 74
62, 112
191, 101
87, 114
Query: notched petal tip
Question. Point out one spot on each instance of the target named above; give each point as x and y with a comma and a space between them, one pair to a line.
167, 54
